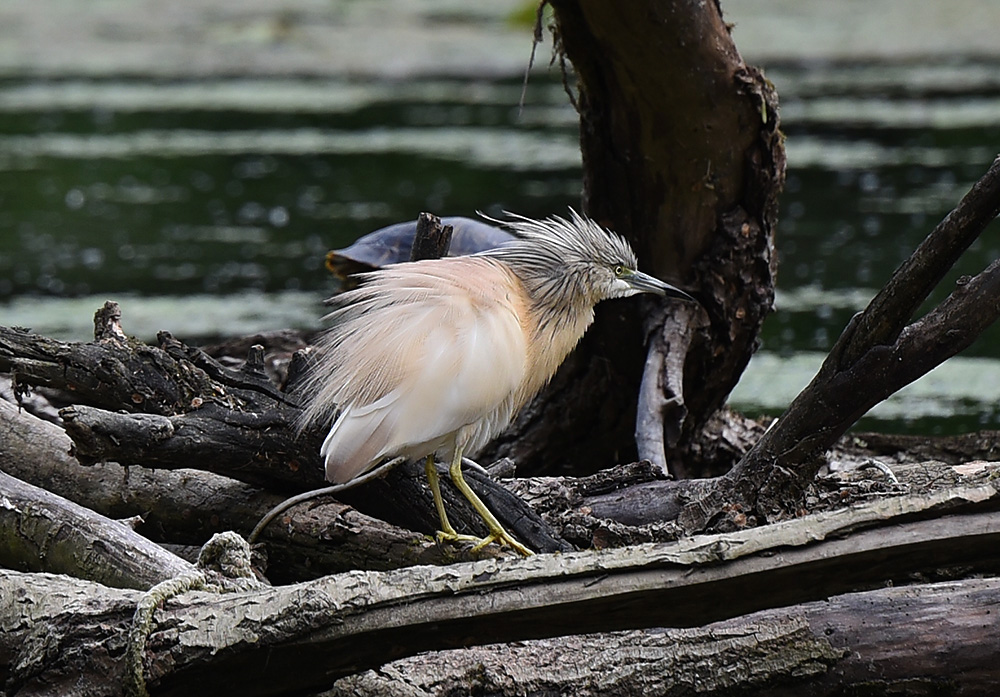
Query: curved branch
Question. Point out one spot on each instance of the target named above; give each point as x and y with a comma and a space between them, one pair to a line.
862, 369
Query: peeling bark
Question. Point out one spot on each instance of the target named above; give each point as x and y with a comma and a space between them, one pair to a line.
40, 531
306, 635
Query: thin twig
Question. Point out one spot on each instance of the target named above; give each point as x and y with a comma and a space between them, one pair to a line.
535, 40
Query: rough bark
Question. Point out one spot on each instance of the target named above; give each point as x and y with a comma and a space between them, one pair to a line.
40, 531
887, 641
681, 155
300, 637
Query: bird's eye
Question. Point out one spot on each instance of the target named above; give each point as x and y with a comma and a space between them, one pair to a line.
619, 271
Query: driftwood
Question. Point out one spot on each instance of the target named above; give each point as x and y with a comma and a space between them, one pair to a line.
887, 540
860, 642
40, 531
305, 635
819, 648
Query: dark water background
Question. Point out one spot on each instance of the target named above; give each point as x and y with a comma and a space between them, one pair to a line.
206, 206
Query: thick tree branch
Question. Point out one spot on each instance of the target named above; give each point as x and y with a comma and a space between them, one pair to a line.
311, 633
40, 531
862, 370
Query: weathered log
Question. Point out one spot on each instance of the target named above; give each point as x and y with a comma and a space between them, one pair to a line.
256, 447
187, 507
886, 641
40, 531
309, 634
981, 445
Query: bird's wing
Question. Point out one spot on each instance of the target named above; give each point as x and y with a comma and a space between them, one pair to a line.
425, 350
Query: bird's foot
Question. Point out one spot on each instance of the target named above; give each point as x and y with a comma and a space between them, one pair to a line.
452, 536
502, 537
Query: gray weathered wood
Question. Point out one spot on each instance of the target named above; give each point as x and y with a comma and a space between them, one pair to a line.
40, 531
315, 632
886, 641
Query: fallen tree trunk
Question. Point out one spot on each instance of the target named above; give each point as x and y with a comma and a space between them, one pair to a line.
186, 507
301, 637
886, 641
40, 531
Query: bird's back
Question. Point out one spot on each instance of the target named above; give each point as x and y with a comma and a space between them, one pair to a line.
418, 352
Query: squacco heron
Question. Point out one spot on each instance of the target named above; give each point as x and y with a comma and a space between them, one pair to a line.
434, 358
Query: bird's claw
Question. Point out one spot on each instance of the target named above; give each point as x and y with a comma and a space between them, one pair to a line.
503, 537
452, 536
500, 536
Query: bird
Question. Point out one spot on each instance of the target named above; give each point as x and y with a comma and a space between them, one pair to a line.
433, 359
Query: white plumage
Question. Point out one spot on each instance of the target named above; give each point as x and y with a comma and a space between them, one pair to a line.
436, 357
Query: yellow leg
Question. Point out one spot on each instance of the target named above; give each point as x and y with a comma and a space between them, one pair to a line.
447, 532
497, 533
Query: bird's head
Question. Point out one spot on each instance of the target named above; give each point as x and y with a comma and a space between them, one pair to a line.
576, 260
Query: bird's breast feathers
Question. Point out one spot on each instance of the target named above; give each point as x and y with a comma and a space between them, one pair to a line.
454, 353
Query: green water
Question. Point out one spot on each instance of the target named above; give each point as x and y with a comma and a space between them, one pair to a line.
205, 207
